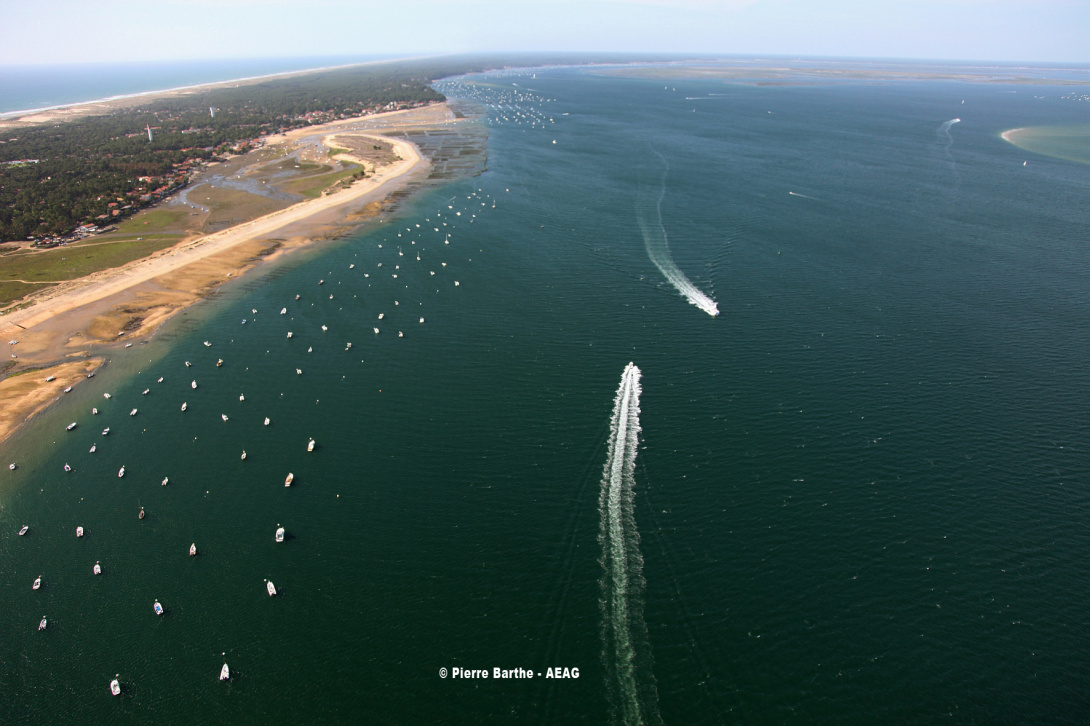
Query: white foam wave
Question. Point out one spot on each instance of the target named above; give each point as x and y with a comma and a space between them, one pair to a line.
625, 651
649, 217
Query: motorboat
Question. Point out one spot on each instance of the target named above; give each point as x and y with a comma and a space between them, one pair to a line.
42, 624
267, 421
223, 416
94, 411
288, 480
243, 457
193, 384
376, 331
283, 311
324, 328
225, 673
207, 344
241, 397
71, 426
184, 405
289, 333
37, 583
115, 687
166, 480
310, 445
68, 389
296, 297
132, 412
279, 534
400, 334
50, 379
79, 531
141, 515
24, 530
146, 392
219, 362
193, 550
270, 587
157, 608
106, 431
98, 568
298, 371
67, 467
92, 449
160, 379
188, 364
106, 396
121, 472
12, 466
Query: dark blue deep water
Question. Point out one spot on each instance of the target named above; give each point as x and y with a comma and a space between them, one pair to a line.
859, 495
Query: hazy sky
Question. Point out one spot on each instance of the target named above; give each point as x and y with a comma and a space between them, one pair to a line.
44, 31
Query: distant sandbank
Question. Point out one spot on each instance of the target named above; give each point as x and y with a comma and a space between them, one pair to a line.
1070, 143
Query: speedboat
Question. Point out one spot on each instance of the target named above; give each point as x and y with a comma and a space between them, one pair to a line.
37, 583
376, 331
243, 457
132, 412
298, 371
71, 426
121, 472
106, 431
79, 531
67, 467
94, 411
400, 334
193, 384
106, 396
283, 311
324, 328
270, 587
223, 416
381, 315
279, 534
42, 624
115, 687
146, 391
157, 608
267, 421
242, 397
296, 297
193, 550
225, 673
160, 379
141, 515
288, 480
184, 404
310, 445
219, 362
24, 530
207, 344
92, 449
98, 568
289, 333
166, 480
12, 466
188, 364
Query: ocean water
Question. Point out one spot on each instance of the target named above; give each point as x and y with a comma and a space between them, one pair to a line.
41, 86
858, 494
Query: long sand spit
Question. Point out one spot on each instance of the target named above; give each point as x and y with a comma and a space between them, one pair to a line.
74, 318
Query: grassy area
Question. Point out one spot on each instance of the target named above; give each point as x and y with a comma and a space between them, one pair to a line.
11, 291
313, 186
67, 263
231, 206
155, 220
333, 151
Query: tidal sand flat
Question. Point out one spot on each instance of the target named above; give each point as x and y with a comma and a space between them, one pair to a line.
1070, 143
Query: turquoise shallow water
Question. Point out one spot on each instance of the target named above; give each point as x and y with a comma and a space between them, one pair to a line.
860, 492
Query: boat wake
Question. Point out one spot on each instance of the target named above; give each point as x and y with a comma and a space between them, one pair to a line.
947, 141
649, 217
626, 653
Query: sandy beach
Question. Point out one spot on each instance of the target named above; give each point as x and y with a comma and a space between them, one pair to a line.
82, 319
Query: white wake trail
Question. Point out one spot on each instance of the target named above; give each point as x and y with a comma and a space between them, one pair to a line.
625, 646
649, 217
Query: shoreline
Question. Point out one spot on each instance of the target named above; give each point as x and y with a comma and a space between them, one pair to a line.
78, 323
80, 108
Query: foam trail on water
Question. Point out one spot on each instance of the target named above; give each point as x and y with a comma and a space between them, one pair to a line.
944, 132
649, 217
625, 646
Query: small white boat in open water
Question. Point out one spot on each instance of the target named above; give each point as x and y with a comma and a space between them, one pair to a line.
225, 673
270, 587
37, 583
42, 624
193, 550
79, 531
184, 405
279, 534
115, 687
98, 568
24, 530
310, 445
157, 608
121, 472
289, 479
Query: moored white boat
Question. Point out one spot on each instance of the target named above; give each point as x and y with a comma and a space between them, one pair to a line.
223, 416
71, 426
37, 583
243, 457
106, 431
166, 480
115, 687
97, 568
157, 607
193, 550
193, 384
267, 421
132, 412
93, 447
42, 624
310, 445
184, 405
121, 472
279, 534
225, 673
79, 531
289, 479
24, 530
270, 587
